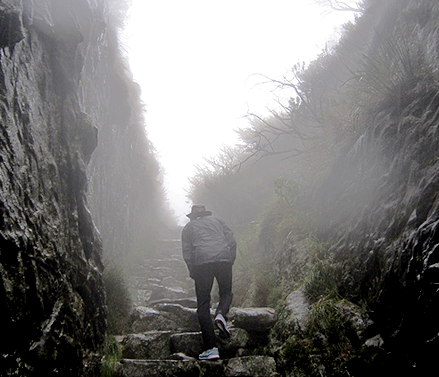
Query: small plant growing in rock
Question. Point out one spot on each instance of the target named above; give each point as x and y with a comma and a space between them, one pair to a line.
113, 354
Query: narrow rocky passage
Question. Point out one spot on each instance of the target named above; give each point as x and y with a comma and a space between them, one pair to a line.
166, 338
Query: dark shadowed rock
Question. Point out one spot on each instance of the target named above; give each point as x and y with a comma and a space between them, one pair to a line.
168, 368
238, 344
360, 323
11, 23
251, 366
190, 343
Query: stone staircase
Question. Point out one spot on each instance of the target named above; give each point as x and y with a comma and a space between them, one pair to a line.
166, 338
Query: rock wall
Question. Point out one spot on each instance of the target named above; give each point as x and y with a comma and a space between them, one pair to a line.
380, 204
377, 205
51, 293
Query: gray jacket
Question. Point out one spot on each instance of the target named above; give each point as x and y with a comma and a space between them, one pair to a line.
207, 239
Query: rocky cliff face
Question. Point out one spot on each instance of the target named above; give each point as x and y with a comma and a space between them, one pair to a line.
378, 207
380, 203
51, 293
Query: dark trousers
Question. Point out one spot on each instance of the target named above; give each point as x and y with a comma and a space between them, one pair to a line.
204, 276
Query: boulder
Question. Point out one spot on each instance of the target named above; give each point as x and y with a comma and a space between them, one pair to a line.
296, 309
253, 319
185, 319
147, 319
149, 345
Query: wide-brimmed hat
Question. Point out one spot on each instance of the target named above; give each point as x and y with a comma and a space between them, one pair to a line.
196, 211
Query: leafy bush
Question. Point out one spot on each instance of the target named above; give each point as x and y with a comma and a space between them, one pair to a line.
119, 301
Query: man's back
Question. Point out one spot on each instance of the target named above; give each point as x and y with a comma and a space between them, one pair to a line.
207, 239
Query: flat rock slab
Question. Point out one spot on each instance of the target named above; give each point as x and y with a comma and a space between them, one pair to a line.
250, 366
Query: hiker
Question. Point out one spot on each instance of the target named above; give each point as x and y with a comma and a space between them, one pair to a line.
209, 250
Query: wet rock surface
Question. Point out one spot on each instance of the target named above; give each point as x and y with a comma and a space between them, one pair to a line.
50, 253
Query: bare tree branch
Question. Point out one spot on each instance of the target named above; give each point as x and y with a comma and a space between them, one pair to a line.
340, 5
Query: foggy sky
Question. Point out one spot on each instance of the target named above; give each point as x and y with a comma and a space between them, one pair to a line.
196, 63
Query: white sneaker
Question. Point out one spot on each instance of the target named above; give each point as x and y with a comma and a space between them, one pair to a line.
221, 323
211, 354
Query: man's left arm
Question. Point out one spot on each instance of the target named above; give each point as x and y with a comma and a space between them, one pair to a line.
231, 241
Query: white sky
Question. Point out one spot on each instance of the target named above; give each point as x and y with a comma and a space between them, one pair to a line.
196, 61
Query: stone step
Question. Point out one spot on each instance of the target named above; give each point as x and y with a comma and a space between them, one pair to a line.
174, 262
165, 317
188, 302
163, 344
160, 279
171, 316
153, 294
169, 329
160, 272
247, 366
166, 338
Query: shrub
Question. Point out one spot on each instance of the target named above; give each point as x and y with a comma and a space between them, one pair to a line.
119, 301
324, 348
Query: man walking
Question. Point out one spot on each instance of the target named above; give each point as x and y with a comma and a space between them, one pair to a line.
209, 250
